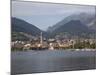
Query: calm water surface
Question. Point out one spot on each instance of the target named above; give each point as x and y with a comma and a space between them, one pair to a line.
50, 61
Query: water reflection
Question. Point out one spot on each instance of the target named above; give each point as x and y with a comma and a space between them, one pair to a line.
47, 61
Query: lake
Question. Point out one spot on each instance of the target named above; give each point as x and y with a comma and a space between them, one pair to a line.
25, 62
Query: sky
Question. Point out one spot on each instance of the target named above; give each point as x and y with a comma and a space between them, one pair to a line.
43, 15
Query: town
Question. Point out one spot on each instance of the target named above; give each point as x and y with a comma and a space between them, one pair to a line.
41, 43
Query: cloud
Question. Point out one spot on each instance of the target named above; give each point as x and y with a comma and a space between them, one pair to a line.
46, 13
32, 8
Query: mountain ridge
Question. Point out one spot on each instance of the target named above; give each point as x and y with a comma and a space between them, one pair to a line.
85, 18
19, 25
71, 27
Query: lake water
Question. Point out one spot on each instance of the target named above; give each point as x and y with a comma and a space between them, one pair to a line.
51, 61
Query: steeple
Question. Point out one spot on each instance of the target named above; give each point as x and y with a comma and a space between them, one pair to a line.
41, 38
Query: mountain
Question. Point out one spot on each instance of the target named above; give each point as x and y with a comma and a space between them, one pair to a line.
19, 36
22, 30
88, 19
73, 27
82, 25
18, 25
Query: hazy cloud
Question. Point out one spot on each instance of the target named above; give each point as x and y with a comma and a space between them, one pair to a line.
46, 14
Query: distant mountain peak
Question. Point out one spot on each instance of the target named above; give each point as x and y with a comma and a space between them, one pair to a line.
85, 18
